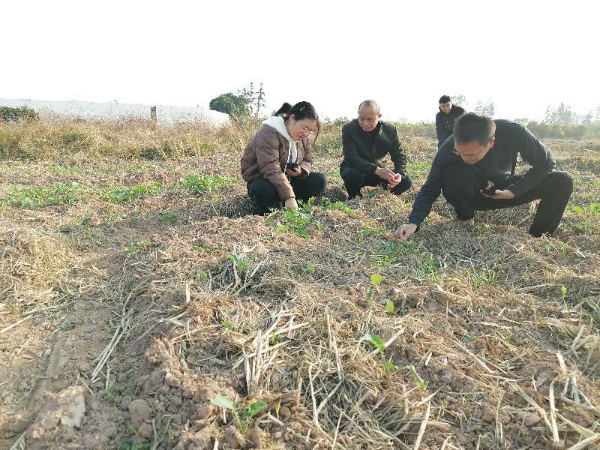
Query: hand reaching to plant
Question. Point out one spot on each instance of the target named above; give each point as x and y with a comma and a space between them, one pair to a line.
291, 203
405, 231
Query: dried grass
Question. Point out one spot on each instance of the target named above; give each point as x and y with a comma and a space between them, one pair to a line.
33, 266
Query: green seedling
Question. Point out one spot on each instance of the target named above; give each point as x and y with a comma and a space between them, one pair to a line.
417, 378
377, 342
86, 222
508, 337
168, 218
468, 339
365, 234
295, 222
563, 292
128, 193
486, 277
389, 366
376, 280
310, 268
132, 249
38, 197
202, 275
337, 205
389, 307
248, 414
201, 184
241, 264
228, 325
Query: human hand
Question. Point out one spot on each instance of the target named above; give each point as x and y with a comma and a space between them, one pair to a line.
291, 203
405, 231
499, 194
295, 172
396, 182
385, 174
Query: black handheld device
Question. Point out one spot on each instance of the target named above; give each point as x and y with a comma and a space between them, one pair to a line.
490, 191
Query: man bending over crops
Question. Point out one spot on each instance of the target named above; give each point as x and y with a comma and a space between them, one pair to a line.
366, 140
475, 170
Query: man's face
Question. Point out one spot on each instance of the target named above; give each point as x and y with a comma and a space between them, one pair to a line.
473, 152
446, 107
368, 118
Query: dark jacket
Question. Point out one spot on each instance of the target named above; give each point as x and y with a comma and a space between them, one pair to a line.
267, 154
363, 153
498, 164
444, 123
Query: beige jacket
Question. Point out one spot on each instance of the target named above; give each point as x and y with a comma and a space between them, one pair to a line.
267, 154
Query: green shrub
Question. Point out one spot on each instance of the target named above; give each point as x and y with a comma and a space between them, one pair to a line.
8, 114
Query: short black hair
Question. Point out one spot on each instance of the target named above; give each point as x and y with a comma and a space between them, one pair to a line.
445, 99
471, 126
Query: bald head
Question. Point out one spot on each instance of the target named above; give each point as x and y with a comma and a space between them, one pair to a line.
368, 115
369, 103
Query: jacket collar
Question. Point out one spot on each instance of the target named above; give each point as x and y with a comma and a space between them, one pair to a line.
278, 123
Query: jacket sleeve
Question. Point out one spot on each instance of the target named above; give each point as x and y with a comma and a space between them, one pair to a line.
532, 151
397, 155
431, 189
306, 164
353, 158
267, 156
439, 129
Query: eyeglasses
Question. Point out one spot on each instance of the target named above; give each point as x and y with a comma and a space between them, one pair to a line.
307, 130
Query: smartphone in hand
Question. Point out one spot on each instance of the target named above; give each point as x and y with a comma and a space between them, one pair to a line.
490, 191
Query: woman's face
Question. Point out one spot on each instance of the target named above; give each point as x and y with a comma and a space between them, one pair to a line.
301, 129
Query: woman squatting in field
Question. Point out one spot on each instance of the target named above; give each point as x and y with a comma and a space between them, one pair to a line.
277, 162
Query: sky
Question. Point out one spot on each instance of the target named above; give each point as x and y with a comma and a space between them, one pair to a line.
522, 55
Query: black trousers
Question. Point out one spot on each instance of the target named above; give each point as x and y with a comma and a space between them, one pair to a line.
461, 189
355, 180
265, 196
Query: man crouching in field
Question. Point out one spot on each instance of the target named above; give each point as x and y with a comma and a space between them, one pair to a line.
475, 170
366, 140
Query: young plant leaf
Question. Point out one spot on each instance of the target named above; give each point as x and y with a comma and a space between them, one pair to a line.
389, 307
310, 268
377, 342
370, 293
376, 279
388, 365
468, 339
223, 402
254, 408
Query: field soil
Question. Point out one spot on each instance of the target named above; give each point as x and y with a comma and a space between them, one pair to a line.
138, 296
